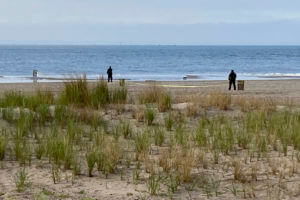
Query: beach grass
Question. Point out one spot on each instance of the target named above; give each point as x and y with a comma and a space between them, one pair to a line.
149, 115
80, 132
78, 93
3, 144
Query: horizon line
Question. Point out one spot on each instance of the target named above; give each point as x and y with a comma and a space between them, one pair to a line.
120, 44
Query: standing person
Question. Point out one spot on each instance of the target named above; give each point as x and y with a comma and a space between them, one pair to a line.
231, 78
109, 74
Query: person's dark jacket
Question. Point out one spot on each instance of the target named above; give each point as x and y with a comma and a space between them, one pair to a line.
109, 72
232, 77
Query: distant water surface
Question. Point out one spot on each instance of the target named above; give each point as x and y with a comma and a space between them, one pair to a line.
150, 62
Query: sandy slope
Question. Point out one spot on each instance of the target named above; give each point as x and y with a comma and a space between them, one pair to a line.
114, 187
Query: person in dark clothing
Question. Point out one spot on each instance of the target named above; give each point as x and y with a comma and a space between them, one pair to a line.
231, 78
109, 74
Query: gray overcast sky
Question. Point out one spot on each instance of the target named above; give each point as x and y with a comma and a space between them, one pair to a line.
150, 22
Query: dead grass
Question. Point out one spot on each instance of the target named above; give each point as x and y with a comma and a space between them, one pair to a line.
165, 160
158, 95
138, 113
238, 173
213, 99
191, 110
150, 95
247, 104
259, 145
219, 99
187, 165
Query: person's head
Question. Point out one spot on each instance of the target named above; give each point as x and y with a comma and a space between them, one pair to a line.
232, 71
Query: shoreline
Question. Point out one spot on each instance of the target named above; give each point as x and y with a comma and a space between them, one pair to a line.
177, 78
29, 80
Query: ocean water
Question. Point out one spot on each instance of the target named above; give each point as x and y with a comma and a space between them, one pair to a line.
149, 62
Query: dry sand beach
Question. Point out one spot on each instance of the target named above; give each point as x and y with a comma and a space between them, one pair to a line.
180, 160
270, 88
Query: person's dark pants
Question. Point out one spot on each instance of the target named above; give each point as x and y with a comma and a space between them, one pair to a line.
110, 78
232, 83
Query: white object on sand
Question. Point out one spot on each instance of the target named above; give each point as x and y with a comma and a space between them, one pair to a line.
191, 77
